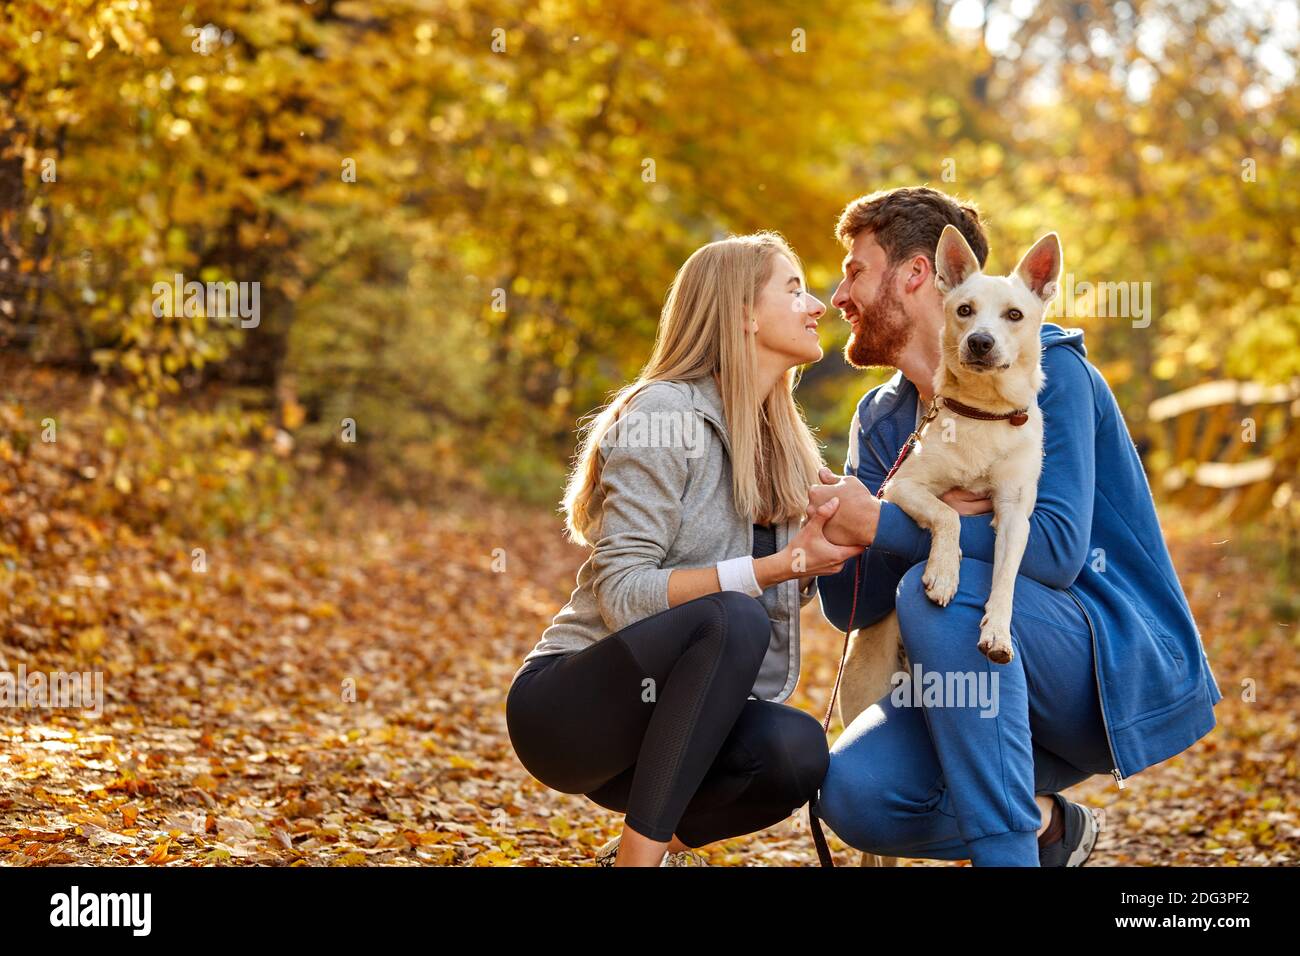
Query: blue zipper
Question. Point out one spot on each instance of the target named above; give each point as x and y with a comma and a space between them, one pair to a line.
1101, 704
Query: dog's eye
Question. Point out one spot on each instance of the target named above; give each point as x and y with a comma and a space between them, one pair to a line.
1015, 315
964, 310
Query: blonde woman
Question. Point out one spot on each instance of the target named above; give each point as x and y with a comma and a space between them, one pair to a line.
657, 690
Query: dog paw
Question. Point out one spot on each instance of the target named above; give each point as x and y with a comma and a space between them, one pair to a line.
995, 642
941, 578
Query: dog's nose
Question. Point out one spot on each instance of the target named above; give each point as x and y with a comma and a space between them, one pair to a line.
980, 344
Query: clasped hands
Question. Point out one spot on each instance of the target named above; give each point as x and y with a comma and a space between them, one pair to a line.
842, 518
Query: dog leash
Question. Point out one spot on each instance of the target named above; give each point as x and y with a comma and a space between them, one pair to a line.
814, 818
906, 450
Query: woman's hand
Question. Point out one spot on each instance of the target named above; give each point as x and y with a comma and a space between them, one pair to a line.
859, 512
808, 553
967, 502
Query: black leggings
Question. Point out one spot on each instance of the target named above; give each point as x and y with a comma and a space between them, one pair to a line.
654, 721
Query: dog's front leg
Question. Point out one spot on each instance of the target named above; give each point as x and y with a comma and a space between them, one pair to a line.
943, 567
1008, 549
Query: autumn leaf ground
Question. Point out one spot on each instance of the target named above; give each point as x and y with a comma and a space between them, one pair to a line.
333, 694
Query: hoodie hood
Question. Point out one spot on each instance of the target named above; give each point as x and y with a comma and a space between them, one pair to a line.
1052, 334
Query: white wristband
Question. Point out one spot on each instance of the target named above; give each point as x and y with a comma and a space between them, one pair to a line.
737, 574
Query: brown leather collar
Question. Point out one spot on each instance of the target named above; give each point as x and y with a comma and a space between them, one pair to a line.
1016, 417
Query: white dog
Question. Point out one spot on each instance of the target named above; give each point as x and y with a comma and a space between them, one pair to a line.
983, 433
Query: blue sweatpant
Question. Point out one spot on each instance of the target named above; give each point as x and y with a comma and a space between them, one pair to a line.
943, 782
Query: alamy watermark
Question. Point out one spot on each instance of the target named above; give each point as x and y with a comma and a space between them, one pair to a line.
215, 300
1118, 300
83, 690
74, 908
658, 430
922, 688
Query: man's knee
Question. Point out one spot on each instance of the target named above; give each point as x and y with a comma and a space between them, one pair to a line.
854, 805
910, 594
923, 623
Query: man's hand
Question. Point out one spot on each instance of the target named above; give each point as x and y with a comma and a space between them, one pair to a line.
854, 522
967, 502
808, 554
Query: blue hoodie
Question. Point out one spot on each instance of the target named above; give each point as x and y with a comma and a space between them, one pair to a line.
1093, 533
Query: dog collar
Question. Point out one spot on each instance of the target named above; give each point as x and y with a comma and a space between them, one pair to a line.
1016, 417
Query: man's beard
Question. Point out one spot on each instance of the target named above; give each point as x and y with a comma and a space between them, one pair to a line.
883, 331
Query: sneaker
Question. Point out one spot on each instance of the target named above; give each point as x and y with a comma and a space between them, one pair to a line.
1082, 826
684, 858
606, 854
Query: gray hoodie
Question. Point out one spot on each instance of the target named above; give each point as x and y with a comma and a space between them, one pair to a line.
665, 502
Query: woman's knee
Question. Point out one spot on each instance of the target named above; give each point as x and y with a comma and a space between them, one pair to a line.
804, 760
743, 611
744, 624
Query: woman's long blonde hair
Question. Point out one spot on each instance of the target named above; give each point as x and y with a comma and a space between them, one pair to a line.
774, 456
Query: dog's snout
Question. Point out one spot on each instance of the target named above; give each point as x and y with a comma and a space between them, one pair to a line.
979, 344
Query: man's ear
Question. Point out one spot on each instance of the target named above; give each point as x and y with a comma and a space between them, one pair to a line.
1040, 267
919, 274
954, 262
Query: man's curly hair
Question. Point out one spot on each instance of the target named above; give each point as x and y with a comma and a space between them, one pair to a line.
908, 221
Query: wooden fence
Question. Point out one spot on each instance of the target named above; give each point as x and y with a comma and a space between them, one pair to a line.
1227, 444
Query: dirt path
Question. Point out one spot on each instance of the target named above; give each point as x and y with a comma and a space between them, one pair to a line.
230, 734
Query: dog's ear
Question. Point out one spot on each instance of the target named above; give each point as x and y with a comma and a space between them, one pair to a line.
1040, 267
954, 262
